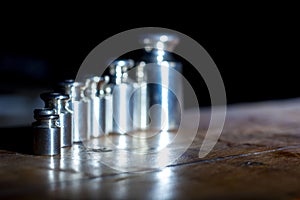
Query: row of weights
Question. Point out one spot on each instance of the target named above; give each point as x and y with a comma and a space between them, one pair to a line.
112, 103
77, 111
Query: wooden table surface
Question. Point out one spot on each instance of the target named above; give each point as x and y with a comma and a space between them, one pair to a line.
256, 157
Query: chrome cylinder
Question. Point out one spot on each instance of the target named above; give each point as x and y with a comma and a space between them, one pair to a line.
105, 118
122, 122
93, 105
95, 93
140, 100
80, 113
122, 89
67, 87
100, 115
46, 132
58, 102
161, 84
164, 95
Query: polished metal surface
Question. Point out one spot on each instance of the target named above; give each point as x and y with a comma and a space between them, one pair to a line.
164, 96
39, 113
122, 87
46, 132
140, 100
103, 114
80, 113
93, 105
67, 87
159, 79
168, 42
59, 103
96, 97
122, 122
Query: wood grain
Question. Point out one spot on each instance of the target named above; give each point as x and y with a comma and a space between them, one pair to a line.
256, 157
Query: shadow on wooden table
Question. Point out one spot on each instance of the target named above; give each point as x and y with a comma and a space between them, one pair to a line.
16, 139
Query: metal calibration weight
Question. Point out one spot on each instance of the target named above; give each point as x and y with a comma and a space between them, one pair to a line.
46, 132
104, 97
121, 88
58, 102
159, 87
78, 105
95, 93
81, 115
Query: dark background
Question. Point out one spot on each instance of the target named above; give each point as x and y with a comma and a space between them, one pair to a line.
255, 48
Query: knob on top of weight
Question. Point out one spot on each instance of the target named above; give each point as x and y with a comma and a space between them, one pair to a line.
118, 67
45, 113
54, 95
66, 83
65, 86
162, 41
104, 80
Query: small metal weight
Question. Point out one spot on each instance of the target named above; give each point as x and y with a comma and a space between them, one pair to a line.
121, 87
46, 132
59, 102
